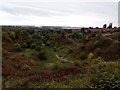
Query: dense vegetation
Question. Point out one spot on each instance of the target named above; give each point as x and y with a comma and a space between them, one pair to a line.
35, 57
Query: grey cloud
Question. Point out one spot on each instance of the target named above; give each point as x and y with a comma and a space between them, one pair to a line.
103, 10
27, 10
60, 8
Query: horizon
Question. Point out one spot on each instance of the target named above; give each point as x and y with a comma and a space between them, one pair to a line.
60, 26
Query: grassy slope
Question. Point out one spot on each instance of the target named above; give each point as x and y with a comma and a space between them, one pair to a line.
24, 69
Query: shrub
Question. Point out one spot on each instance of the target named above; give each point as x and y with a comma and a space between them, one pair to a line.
17, 47
76, 35
83, 56
25, 45
38, 48
82, 47
109, 83
42, 55
98, 51
103, 77
70, 51
33, 46
43, 45
55, 49
12, 35
5, 37
36, 36
77, 63
56, 66
87, 38
96, 43
91, 56
8, 69
91, 47
101, 41
48, 43
14, 83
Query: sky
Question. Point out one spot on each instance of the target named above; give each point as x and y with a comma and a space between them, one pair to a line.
58, 13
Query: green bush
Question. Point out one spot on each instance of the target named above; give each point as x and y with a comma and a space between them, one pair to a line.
77, 63
48, 43
70, 51
33, 46
12, 35
42, 55
56, 66
101, 41
5, 37
91, 56
55, 49
76, 35
91, 46
43, 45
17, 47
38, 48
96, 43
24, 45
83, 56
105, 75
109, 83
98, 51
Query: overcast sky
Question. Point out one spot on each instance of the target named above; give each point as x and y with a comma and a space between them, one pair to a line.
58, 13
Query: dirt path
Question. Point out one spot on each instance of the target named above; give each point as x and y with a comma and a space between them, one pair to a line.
63, 59
114, 40
107, 36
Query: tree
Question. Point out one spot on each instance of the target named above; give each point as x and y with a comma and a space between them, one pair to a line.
110, 25
83, 30
105, 25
